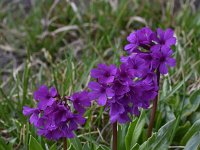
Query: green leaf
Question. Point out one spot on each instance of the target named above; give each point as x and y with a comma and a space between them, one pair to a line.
159, 140
175, 89
134, 131
129, 134
193, 143
193, 104
90, 139
34, 144
194, 100
135, 147
76, 143
4, 145
102, 148
53, 147
148, 144
163, 136
195, 128
158, 121
182, 130
122, 130
25, 82
86, 146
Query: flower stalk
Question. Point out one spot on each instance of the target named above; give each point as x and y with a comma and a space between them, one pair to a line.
114, 136
153, 112
64, 143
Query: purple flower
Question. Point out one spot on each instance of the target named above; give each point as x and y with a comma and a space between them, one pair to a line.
67, 132
53, 116
121, 117
100, 92
80, 101
137, 67
54, 134
132, 47
162, 58
150, 77
149, 92
116, 108
120, 88
74, 120
45, 96
33, 113
149, 44
138, 38
123, 74
104, 74
164, 38
124, 59
148, 60
144, 36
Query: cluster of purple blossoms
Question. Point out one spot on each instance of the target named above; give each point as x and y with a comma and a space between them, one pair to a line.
133, 85
54, 116
153, 47
123, 90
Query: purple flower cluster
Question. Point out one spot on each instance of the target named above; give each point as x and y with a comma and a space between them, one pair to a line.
54, 116
133, 85
153, 47
130, 87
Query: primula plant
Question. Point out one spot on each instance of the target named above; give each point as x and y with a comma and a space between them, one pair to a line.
122, 90
154, 48
57, 117
125, 90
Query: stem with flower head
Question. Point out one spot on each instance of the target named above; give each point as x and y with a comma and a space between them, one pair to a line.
114, 146
64, 143
153, 112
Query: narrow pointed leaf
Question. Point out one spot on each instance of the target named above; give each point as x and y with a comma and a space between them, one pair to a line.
194, 142
34, 144
195, 128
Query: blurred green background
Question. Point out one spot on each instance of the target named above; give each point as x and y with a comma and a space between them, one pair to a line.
57, 42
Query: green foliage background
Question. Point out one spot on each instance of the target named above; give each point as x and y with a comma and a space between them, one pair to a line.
58, 42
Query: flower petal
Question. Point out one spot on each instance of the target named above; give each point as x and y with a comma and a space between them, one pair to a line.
95, 73
171, 41
155, 48
168, 34
53, 91
102, 100
79, 119
109, 92
124, 118
34, 118
116, 108
171, 62
130, 46
160, 33
28, 111
94, 86
93, 95
41, 93
163, 68
113, 118
109, 79
132, 37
